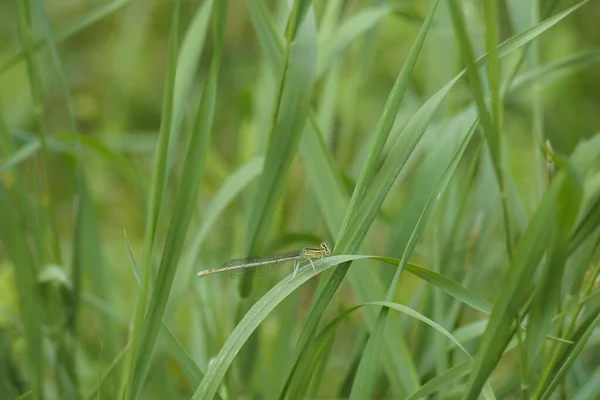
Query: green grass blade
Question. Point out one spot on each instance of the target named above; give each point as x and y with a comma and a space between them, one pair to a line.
192, 373
548, 291
504, 49
399, 154
491, 23
324, 177
451, 287
590, 389
98, 390
187, 65
289, 118
93, 264
328, 187
403, 309
189, 368
183, 208
300, 9
516, 282
102, 335
19, 179
580, 339
268, 37
24, 24
364, 380
156, 194
24, 395
21, 155
547, 74
30, 307
122, 165
583, 157
328, 332
491, 128
231, 188
441, 381
58, 65
266, 304
68, 31
382, 131
347, 32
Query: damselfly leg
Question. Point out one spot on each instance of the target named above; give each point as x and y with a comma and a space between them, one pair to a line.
296, 267
312, 264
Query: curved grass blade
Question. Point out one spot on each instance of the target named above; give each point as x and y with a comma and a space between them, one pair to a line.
441, 381
504, 49
545, 75
329, 330
350, 225
330, 286
266, 304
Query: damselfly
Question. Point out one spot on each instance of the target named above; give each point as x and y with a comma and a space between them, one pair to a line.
239, 267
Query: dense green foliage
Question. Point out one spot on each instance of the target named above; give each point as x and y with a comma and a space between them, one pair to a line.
448, 151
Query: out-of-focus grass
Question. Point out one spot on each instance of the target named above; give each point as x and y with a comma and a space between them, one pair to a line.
455, 140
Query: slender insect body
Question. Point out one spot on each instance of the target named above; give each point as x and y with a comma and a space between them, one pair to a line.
239, 267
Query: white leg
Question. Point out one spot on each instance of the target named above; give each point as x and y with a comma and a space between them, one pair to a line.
296, 267
312, 265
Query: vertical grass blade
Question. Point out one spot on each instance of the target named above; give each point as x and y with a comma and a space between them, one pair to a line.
231, 188
490, 127
156, 194
385, 123
187, 64
30, 306
517, 281
548, 291
289, 117
365, 377
183, 208
24, 23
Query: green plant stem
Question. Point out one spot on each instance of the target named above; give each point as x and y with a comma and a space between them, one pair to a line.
47, 202
558, 350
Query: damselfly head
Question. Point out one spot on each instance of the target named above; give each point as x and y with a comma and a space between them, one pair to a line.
325, 249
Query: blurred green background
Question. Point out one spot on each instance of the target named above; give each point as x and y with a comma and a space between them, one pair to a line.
81, 127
